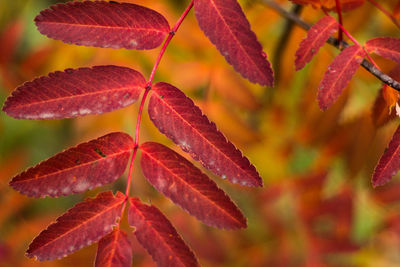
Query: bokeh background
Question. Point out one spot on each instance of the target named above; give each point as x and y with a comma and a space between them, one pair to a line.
317, 206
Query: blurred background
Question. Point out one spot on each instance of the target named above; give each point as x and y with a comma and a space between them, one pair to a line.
317, 206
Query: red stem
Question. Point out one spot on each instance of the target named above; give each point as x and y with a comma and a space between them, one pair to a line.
387, 13
339, 11
358, 44
166, 43
354, 41
146, 92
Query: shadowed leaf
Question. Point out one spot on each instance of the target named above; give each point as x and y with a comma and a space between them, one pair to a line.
338, 75
75, 92
382, 112
225, 24
114, 250
389, 163
157, 235
175, 115
188, 187
85, 223
387, 47
103, 24
77, 169
317, 35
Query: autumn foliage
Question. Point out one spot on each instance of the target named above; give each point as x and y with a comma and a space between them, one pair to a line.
195, 153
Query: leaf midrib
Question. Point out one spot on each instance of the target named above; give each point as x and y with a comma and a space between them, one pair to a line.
204, 138
237, 41
189, 185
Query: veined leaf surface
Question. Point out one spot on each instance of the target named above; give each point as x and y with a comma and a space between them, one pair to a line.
77, 169
387, 47
317, 35
157, 235
114, 250
338, 75
176, 116
75, 92
389, 163
85, 223
187, 186
103, 24
227, 27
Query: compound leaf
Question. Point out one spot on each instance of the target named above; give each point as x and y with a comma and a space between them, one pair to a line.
114, 250
157, 235
77, 169
225, 24
187, 186
85, 223
103, 24
176, 116
338, 75
387, 47
317, 35
389, 163
75, 92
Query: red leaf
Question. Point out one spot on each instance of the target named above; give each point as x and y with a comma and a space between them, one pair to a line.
75, 92
317, 35
187, 186
387, 47
179, 119
77, 169
85, 223
225, 24
103, 24
114, 250
338, 75
157, 235
389, 163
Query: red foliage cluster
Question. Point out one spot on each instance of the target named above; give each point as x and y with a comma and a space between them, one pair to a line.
100, 89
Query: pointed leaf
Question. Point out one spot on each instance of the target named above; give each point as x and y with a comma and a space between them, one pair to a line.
75, 92
158, 236
225, 24
85, 223
338, 75
387, 47
389, 163
77, 169
317, 35
175, 115
114, 250
187, 186
103, 24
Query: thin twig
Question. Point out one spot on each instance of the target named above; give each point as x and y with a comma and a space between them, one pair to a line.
339, 11
282, 44
333, 41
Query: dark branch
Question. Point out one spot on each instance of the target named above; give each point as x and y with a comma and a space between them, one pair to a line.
333, 41
282, 44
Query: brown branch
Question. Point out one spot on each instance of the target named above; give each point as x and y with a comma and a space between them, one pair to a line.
333, 41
